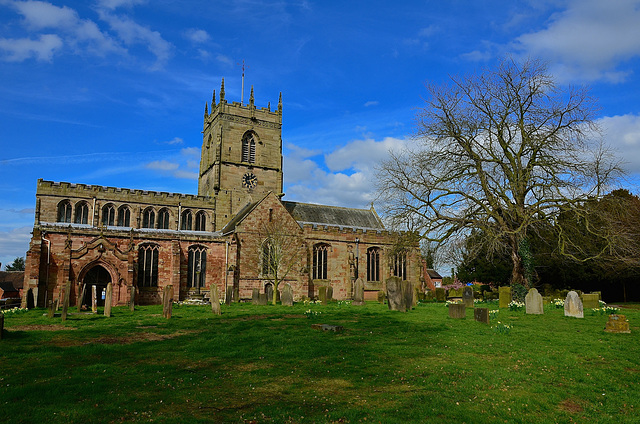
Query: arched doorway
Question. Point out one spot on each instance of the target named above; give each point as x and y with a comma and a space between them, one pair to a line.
97, 276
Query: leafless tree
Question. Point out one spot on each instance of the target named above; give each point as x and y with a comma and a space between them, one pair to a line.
501, 152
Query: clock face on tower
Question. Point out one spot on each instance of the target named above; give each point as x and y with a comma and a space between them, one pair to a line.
249, 180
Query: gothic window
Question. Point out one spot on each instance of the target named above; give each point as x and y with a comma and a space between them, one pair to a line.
124, 216
373, 264
148, 265
108, 215
269, 260
320, 261
187, 220
399, 265
64, 211
197, 266
249, 148
201, 221
148, 218
163, 219
82, 213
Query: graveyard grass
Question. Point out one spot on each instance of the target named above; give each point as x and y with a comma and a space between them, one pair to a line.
265, 364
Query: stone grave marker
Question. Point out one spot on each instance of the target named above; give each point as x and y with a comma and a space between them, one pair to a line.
504, 296
322, 294
167, 301
395, 296
358, 292
481, 315
573, 305
590, 301
132, 300
329, 293
107, 300
214, 298
80, 297
228, 295
454, 293
1, 325
617, 324
467, 296
441, 294
51, 311
287, 295
65, 300
533, 302
457, 310
263, 300
381, 296
94, 299
327, 327
408, 295
255, 296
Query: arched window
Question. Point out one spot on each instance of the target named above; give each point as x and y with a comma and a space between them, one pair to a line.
201, 221
249, 147
320, 261
187, 220
373, 264
399, 265
82, 213
108, 214
148, 218
64, 211
197, 266
124, 216
163, 219
269, 259
148, 265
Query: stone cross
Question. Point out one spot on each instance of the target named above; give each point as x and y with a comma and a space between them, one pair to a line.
533, 302
573, 305
107, 300
214, 299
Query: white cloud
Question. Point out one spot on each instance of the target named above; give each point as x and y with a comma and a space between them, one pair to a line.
114, 4
175, 140
18, 50
14, 243
162, 165
197, 35
371, 103
589, 40
224, 59
623, 134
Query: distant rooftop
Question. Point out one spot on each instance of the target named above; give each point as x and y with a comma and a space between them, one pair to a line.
307, 213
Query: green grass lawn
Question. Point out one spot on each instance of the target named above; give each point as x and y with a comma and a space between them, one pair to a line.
265, 364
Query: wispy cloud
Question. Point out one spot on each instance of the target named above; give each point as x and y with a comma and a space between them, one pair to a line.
197, 35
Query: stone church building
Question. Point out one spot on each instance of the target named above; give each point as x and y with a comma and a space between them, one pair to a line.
236, 233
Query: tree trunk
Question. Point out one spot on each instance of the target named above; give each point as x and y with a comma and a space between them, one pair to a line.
517, 274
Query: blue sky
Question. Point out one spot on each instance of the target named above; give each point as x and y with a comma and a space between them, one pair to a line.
112, 92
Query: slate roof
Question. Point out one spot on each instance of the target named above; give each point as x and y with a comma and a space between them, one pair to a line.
307, 213
434, 274
15, 278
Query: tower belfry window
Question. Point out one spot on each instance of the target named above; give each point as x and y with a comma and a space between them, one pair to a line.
249, 148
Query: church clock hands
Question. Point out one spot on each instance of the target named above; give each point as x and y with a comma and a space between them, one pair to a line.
249, 180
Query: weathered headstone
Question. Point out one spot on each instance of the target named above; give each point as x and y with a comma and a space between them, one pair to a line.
533, 302
1, 325
457, 310
132, 300
94, 299
504, 296
590, 301
228, 298
322, 294
441, 294
329, 293
395, 295
408, 295
573, 305
263, 300
269, 292
214, 299
255, 296
80, 296
481, 315
358, 292
287, 295
167, 301
381, 296
65, 300
107, 300
617, 324
327, 327
51, 309
467, 296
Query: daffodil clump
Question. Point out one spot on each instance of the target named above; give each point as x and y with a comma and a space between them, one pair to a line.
516, 306
558, 303
311, 314
502, 328
15, 310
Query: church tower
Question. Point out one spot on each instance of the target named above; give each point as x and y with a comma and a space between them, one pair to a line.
241, 156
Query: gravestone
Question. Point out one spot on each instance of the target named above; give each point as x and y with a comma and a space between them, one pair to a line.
408, 294
395, 295
441, 294
65, 300
167, 301
228, 295
107, 300
358, 292
327, 327
268, 289
255, 296
467, 296
454, 293
533, 302
80, 296
263, 300
1, 325
287, 295
590, 301
457, 310
573, 305
481, 315
132, 299
214, 298
329, 293
381, 296
94, 299
51, 311
504, 296
322, 294
617, 324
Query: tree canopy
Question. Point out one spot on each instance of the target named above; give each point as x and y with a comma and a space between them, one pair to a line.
16, 265
501, 152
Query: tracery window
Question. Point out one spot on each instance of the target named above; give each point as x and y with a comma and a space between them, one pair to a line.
148, 218
197, 266
201, 221
399, 265
249, 147
163, 219
373, 264
82, 213
269, 260
124, 216
64, 211
108, 214
320, 261
187, 220
148, 265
